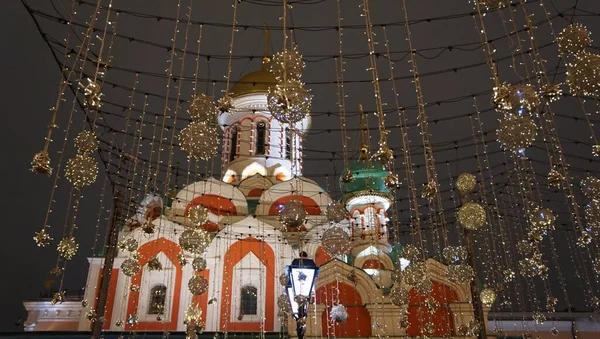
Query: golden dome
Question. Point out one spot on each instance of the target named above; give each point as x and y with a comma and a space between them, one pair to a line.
255, 82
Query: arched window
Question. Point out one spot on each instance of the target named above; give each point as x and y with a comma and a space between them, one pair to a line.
288, 144
249, 300
234, 141
261, 136
158, 295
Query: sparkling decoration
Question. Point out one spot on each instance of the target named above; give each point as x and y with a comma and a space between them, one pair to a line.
384, 154
414, 273
283, 303
533, 267
391, 181
339, 314
526, 247
596, 150
432, 305
130, 267
91, 315
225, 104
596, 265
454, 254
67, 248
573, 39
424, 287
399, 296
289, 102
487, 296
199, 264
58, 298
292, 214
512, 97
539, 317
336, 212
198, 214
41, 163
541, 220
194, 240
465, 183
182, 259
289, 62
335, 241
508, 275
132, 320
284, 280
300, 300
555, 179
584, 239
154, 264
193, 313
590, 186
92, 94
516, 132
471, 216
198, 285
81, 170
469, 330
202, 108
551, 92
411, 252
119, 323
41, 238
404, 323
347, 176
86, 142
429, 190
551, 302
583, 74
129, 244
460, 273
595, 302
429, 328
134, 288
199, 141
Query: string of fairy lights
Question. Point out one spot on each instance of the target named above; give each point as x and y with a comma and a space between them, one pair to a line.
488, 208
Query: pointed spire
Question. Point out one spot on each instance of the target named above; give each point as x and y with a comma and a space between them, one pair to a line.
364, 135
266, 56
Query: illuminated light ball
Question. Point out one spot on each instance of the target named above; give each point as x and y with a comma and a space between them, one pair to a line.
193, 313
335, 241
58, 298
289, 102
289, 62
424, 287
414, 273
154, 264
465, 183
202, 108
411, 252
198, 285
494, 4
181, 259
133, 319
583, 74
86, 142
533, 267
335, 212
573, 39
460, 273
130, 267
67, 248
471, 216
590, 186
81, 170
391, 181
555, 179
399, 296
41, 163
284, 280
552, 92
283, 303
197, 214
339, 314
199, 264
430, 190
541, 220
194, 240
509, 97
225, 104
487, 296
526, 247
516, 132
129, 244
199, 141
292, 214
42, 238
592, 216
454, 254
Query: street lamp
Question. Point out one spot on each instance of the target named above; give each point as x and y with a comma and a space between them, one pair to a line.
301, 278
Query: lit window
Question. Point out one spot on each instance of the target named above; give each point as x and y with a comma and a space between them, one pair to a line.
158, 295
261, 134
249, 300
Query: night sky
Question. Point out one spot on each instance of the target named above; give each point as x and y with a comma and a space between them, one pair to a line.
450, 60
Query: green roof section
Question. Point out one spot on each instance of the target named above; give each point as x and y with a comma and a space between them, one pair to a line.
368, 176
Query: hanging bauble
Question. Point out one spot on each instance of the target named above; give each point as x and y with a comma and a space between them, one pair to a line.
555, 179
533, 267
289, 102
429, 190
202, 108
391, 181
509, 98
583, 74
508, 276
197, 215
198, 285
399, 296
471, 216
129, 244
130, 267
92, 94
194, 240
336, 212
584, 239
199, 141
424, 287
384, 154
573, 39
181, 259
225, 104
289, 62
42, 238
494, 4
347, 176
516, 132
283, 303
429, 328
551, 302
199, 264
454, 254
41, 163
292, 214
526, 247
487, 296
86, 142
339, 314
134, 287
541, 220
465, 183
411, 252
67, 248
590, 186
81, 170
284, 279
154, 264
193, 313
460, 273
414, 273
335, 241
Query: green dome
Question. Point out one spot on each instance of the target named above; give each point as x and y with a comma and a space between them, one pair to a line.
368, 176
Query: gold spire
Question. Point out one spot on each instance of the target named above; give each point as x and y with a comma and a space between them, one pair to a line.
364, 135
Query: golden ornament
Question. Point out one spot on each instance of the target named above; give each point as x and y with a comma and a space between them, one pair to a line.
193, 313
508, 275
429, 328
154, 264
541, 220
584, 239
148, 227
132, 320
555, 179
573, 39
472, 216
86, 142
424, 287
487, 296
199, 141
129, 244
590, 186
134, 288
399, 296
198, 215
411, 253
56, 271
287, 64
432, 305
283, 303
551, 302
414, 273
595, 151
460, 273
58, 298
292, 214
199, 264
533, 267
198, 285
465, 183
284, 280
516, 132
130, 267
335, 241
336, 212
454, 254
289, 102
384, 154
509, 98
91, 315
41, 238
429, 190
225, 104
583, 74
391, 181
539, 317
67, 248
181, 259
41, 163
81, 170
194, 240
347, 176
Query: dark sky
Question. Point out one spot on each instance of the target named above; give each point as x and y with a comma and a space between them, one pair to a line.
450, 77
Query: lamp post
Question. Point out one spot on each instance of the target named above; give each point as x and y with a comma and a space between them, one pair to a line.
301, 278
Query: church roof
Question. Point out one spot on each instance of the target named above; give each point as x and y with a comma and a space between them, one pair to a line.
368, 176
254, 82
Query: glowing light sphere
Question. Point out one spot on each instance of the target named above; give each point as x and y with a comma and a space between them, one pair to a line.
292, 214
472, 216
541, 220
399, 296
465, 183
460, 273
202, 108
193, 313
516, 132
67, 248
289, 62
509, 97
42, 238
533, 267
583, 74
573, 39
198, 285
339, 314
590, 186
414, 273
198, 214
283, 303
86, 142
454, 254
335, 241
411, 252
430, 190
487, 296
289, 102
526, 247
199, 141
81, 170
335, 212
194, 240
129, 244
199, 264
130, 267
41, 163
284, 279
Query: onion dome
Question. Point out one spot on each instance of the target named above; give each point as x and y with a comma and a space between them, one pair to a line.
368, 184
255, 82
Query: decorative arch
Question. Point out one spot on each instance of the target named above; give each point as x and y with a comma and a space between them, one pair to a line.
311, 206
252, 169
218, 205
347, 295
335, 271
383, 259
442, 318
